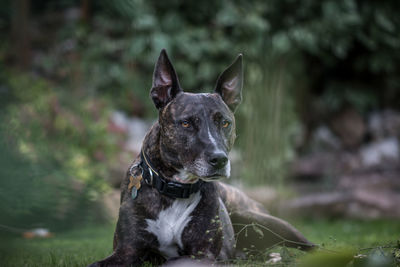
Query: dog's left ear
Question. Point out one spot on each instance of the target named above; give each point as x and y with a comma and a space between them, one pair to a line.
165, 81
230, 83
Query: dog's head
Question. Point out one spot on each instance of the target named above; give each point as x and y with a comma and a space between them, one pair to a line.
197, 130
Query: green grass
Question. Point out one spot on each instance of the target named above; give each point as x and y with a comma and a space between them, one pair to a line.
79, 247
355, 233
85, 245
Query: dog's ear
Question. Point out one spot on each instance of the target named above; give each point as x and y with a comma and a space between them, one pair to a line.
229, 84
165, 81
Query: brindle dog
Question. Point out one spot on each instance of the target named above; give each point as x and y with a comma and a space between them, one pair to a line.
186, 152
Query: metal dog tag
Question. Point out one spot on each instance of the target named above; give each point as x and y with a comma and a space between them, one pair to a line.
134, 193
134, 185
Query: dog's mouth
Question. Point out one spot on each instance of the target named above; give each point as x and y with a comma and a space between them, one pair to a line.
191, 178
201, 169
212, 177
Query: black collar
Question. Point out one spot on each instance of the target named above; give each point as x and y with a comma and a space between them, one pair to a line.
165, 187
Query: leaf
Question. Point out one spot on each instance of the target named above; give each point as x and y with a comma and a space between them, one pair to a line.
396, 254
328, 259
258, 230
285, 254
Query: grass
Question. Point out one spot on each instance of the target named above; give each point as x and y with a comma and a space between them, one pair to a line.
79, 247
345, 233
85, 245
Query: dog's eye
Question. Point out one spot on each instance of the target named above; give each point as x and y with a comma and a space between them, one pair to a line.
185, 124
225, 123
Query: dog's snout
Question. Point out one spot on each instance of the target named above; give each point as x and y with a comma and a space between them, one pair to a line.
218, 160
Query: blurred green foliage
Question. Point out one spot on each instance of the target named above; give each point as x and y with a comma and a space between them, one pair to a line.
55, 155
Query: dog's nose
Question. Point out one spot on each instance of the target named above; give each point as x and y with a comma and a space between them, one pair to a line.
218, 160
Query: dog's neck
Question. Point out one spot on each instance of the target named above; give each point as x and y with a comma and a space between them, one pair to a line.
152, 150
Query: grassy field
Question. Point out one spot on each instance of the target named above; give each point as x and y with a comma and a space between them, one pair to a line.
83, 246
74, 248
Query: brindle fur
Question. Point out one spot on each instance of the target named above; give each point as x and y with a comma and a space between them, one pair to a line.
209, 234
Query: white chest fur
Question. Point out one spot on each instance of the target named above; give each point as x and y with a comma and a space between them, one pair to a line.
169, 225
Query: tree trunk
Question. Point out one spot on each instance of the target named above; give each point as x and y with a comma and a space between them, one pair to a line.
21, 33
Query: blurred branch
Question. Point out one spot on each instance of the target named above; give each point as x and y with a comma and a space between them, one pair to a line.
21, 33
85, 10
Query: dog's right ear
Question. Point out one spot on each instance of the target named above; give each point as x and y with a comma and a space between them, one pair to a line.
230, 83
165, 81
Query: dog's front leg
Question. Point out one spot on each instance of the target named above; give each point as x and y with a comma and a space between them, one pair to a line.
119, 258
206, 249
202, 239
128, 244
123, 255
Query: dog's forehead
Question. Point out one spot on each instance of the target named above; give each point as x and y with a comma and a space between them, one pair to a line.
192, 104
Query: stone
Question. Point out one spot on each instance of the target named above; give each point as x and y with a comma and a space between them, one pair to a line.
315, 166
349, 126
381, 153
324, 139
134, 128
360, 204
384, 124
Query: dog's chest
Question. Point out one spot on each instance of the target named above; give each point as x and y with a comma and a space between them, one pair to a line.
171, 222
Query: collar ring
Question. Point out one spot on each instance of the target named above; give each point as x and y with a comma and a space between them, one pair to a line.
151, 177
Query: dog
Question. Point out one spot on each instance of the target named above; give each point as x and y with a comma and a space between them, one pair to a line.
172, 204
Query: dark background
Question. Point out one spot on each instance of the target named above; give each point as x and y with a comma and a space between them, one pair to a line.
318, 129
